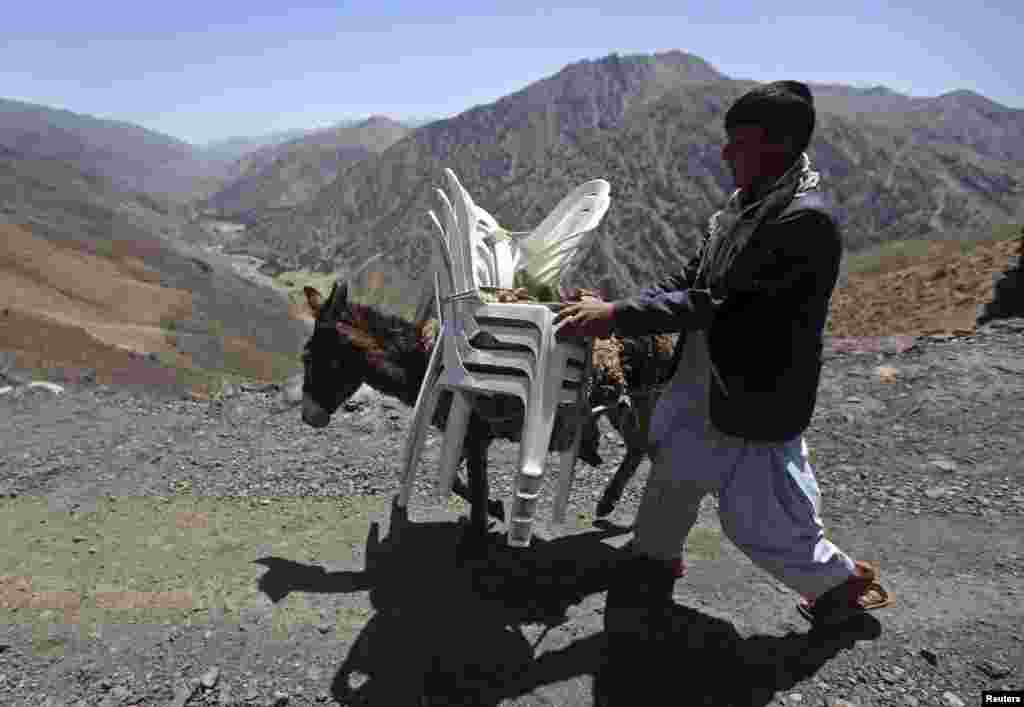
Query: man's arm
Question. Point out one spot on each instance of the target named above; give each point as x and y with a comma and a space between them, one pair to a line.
668, 306
678, 310
808, 254
678, 281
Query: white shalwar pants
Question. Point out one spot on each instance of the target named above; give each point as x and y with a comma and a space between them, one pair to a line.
769, 504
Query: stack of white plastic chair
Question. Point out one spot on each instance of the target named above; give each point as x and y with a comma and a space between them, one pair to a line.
496, 349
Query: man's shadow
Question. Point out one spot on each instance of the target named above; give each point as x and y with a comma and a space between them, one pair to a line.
448, 627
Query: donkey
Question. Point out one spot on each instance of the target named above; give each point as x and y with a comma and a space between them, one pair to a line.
353, 344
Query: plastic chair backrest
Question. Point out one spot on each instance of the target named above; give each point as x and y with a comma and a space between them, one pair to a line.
551, 247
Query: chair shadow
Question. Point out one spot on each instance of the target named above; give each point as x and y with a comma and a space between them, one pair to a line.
447, 628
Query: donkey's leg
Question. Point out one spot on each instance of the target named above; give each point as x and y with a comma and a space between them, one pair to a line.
622, 477
477, 443
495, 508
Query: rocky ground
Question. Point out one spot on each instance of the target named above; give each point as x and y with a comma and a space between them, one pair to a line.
164, 550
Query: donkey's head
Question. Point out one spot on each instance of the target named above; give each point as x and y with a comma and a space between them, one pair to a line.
334, 358
353, 344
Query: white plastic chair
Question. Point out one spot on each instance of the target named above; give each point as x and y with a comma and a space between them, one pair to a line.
550, 249
495, 349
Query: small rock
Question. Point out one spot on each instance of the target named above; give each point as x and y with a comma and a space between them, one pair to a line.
323, 627
993, 669
831, 702
795, 698
930, 656
936, 492
951, 700
886, 374
911, 701
184, 693
280, 699
209, 678
946, 465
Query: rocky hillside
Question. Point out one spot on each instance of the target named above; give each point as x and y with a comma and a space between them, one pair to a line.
287, 174
898, 168
132, 157
58, 201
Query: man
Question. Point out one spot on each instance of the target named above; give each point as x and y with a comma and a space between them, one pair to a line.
751, 309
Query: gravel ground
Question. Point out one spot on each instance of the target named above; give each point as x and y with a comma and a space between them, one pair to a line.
915, 448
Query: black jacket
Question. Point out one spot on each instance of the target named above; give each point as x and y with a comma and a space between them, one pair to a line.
765, 326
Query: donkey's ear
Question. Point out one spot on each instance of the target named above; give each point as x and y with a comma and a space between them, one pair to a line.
339, 297
314, 299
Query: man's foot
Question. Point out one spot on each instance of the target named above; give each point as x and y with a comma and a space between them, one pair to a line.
678, 565
852, 598
639, 598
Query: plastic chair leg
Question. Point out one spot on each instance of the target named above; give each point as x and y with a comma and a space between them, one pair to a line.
567, 460
426, 402
454, 437
536, 439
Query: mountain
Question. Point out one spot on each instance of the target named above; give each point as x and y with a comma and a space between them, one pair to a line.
958, 117
132, 157
289, 173
387, 195
232, 149
898, 167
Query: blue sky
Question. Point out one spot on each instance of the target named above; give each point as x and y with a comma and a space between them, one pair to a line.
220, 68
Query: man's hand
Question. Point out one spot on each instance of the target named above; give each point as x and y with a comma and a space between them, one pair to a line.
589, 318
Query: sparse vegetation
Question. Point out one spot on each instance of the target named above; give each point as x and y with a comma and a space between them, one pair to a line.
895, 255
104, 247
215, 328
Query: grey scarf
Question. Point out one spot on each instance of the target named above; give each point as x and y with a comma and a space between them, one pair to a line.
730, 229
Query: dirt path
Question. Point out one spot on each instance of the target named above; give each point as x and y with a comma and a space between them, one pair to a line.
164, 551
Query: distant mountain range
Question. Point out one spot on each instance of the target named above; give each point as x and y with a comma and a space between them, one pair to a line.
135, 158
288, 173
898, 167
132, 157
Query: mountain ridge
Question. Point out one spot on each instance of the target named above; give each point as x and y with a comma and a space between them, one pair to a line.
898, 173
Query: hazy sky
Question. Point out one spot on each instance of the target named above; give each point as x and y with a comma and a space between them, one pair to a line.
219, 68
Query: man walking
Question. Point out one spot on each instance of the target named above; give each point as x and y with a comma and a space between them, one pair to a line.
751, 308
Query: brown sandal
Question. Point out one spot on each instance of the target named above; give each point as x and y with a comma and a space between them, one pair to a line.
852, 598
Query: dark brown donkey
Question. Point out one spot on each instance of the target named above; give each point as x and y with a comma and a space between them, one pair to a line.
353, 344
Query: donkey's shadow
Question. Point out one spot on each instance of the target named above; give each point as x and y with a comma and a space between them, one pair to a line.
448, 628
